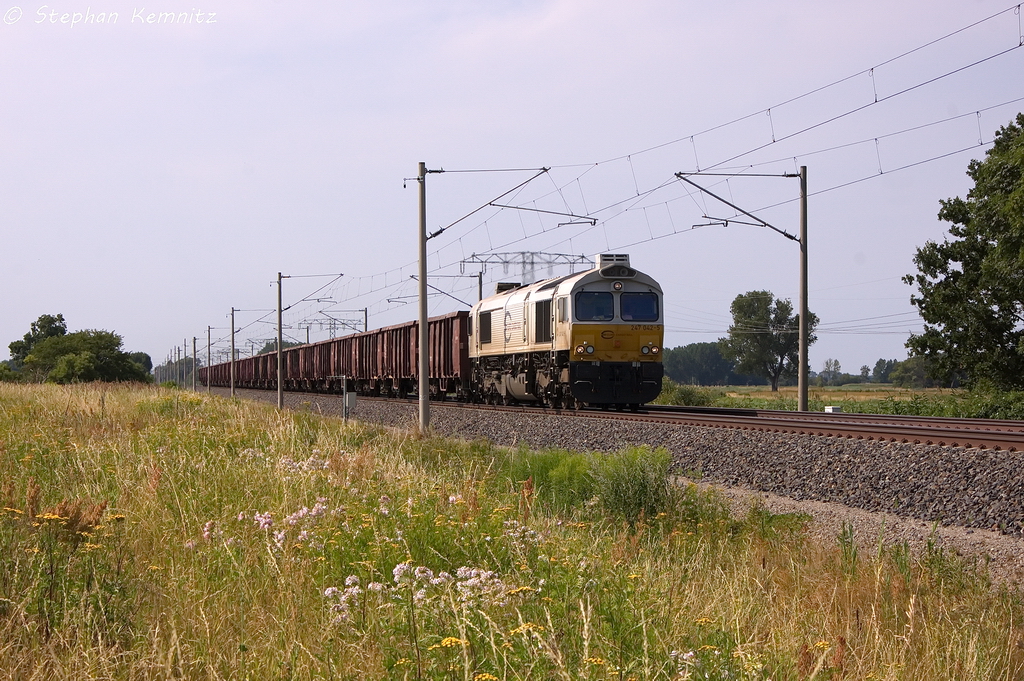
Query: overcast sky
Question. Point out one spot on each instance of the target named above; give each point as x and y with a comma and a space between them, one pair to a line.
159, 164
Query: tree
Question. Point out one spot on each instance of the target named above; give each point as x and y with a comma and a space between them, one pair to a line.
697, 363
914, 372
971, 286
865, 373
143, 360
82, 356
830, 372
47, 326
883, 367
271, 346
764, 339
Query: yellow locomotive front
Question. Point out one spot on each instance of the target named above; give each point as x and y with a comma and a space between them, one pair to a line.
593, 338
615, 336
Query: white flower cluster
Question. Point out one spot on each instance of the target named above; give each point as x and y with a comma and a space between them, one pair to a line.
519, 534
312, 464
475, 585
255, 456
344, 599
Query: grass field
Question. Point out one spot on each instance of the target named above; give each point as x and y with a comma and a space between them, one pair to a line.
868, 398
155, 534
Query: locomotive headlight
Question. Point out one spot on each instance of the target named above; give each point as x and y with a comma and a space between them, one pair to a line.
645, 350
580, 349
655, 349
617, 286
590, 349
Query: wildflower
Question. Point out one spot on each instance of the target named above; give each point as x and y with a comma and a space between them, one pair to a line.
703, 621
401, 573
241, 516
115, 517
263, 520
424, 574
822, 645
190, 544
595, 660
485, 677
526, 627
330, 592
352, 580
451, 642
375, 586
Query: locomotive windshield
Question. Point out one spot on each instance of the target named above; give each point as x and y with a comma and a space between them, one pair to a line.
639, 307
594, 306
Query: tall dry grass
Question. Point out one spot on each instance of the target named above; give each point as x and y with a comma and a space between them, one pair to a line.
149, 533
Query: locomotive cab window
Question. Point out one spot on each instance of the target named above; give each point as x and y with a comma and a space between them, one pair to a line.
485, 327
542, 321
638, 307
594, 306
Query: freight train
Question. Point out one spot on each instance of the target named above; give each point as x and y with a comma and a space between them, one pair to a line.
591, 338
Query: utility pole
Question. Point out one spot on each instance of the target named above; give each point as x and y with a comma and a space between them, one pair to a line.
802, 240
479, 286
424, 348
194, 363
232, 352
802, 374
209, 358
184, 367
366, 319
177, 368
280, 353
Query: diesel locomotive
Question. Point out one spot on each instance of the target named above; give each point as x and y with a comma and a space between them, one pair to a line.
591, 338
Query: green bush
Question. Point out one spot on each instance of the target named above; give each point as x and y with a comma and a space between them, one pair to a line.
633, 483
562, 480
687, 395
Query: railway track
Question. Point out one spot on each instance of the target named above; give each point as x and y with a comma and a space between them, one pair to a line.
996, 435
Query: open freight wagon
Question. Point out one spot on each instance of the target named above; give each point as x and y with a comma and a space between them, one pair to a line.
379, 362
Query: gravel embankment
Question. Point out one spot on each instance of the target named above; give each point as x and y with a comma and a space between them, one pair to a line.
970, 499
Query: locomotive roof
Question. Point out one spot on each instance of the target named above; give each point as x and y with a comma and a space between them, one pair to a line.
566, 283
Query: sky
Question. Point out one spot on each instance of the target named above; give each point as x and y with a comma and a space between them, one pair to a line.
160, 164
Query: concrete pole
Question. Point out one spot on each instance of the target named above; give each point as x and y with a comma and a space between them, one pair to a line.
232, 352
366, 319
184, 366
194, 363
480, 285
209, 357
804, 331
280, 352
424, 348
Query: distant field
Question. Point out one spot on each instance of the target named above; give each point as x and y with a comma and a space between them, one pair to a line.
856, 392
157, 534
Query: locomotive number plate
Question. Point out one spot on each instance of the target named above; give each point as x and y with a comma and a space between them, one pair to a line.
645, 327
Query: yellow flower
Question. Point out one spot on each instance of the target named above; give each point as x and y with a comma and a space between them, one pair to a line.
155, 567
822, 645
703, 621
594, 660
13, 510
404, 660
526, 627
633, 576
520, 590
485, 677
116, 516
451, 642
707, 648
